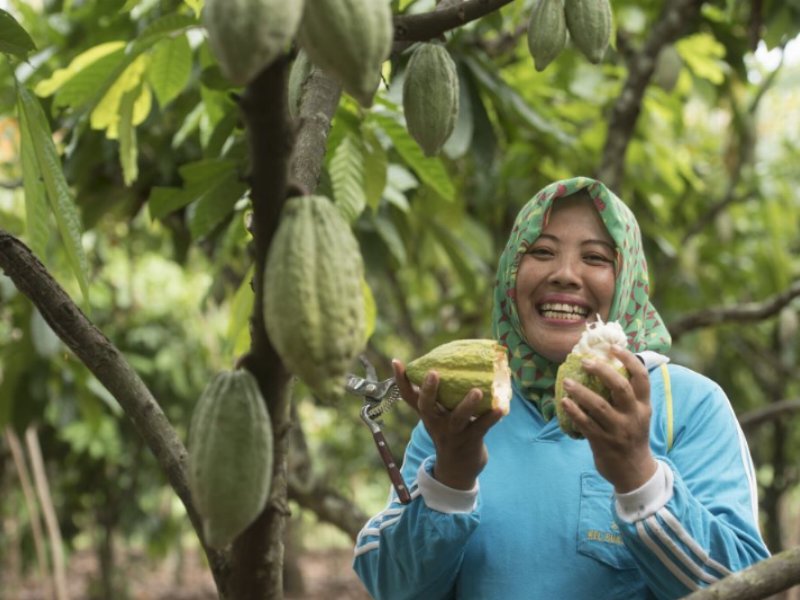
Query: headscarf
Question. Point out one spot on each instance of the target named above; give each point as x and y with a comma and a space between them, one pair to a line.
533, 374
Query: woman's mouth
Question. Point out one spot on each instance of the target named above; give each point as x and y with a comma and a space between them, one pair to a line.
562, 311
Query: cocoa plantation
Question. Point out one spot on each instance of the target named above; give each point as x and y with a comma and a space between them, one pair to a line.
215, 214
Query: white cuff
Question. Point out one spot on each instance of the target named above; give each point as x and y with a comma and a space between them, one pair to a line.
440, 497
647, 499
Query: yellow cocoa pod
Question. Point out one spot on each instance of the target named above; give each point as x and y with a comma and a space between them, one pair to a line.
547, 32
595, 343
430, 96
350, 40
589, 25
313, 305
463, 365
230, 456
245, 36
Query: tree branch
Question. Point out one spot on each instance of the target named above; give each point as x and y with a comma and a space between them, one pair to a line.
427, 26
108, 364
257, 564
741, 313
753, 419
625, 113
777, 573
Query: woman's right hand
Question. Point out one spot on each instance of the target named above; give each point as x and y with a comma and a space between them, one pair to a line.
458, 436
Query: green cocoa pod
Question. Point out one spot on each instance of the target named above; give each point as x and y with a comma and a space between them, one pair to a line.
298, 75
463, 365
668, 68
595, 344
245, 36
430, 96
350, 40
589, 25
314, 308
547, 32
230, 456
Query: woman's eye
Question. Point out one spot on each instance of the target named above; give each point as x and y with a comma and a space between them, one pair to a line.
540, 252
597, 259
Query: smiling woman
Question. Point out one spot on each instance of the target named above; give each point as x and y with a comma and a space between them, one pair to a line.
657, 500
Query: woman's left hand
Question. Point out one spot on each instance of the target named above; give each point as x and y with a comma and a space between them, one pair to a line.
618, 431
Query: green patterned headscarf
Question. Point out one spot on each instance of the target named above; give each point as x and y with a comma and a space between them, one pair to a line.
533, 374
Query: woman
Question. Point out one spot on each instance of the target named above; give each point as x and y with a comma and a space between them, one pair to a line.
659, 498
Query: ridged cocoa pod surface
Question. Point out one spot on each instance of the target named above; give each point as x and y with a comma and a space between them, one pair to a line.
589, 26
350, 40
430, 96
547, 32
230, 456
314, 308
245, 36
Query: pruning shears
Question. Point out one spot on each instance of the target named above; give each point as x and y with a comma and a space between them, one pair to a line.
379, 396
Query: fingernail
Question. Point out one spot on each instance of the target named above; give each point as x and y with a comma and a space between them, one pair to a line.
588, 363
569, 383
430, 378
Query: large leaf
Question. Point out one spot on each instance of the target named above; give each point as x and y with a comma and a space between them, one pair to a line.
376, 165
198, 178
37, 213
430, 170
238, 334
347, 178
128, 152
32, 119
215, 204
106, 114
170, 68
78, 83
14, 39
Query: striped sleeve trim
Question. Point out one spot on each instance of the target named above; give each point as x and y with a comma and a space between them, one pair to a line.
387, 517
651, 544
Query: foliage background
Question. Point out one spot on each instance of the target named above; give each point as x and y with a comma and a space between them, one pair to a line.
141, 214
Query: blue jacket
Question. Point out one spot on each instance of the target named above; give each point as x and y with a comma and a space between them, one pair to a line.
543, 524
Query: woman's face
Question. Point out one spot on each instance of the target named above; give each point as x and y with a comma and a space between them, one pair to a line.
566, 278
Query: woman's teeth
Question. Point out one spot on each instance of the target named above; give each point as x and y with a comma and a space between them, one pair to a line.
567, 312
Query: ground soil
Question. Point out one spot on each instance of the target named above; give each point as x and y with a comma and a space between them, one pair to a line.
326, 574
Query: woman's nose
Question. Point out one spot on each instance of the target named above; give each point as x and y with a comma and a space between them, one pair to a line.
565, 271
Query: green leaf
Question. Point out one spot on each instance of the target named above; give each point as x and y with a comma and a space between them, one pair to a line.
430, 170
33, 119
14, 39
170, 68
45, 341
376, 165
37, 214
347, 178
79, 82
160, 28
391, 237
195, 5
238, 335
128, 151
198, 177
215, 204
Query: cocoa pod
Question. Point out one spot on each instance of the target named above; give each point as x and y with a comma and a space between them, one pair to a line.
230, 456
350, 40
314, 308
547, 32
668, 68
589, 26
430, 96
245, 36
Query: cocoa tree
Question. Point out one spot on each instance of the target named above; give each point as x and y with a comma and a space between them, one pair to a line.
280, 156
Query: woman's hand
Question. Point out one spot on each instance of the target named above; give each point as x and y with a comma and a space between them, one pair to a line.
460, 452
618, 431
